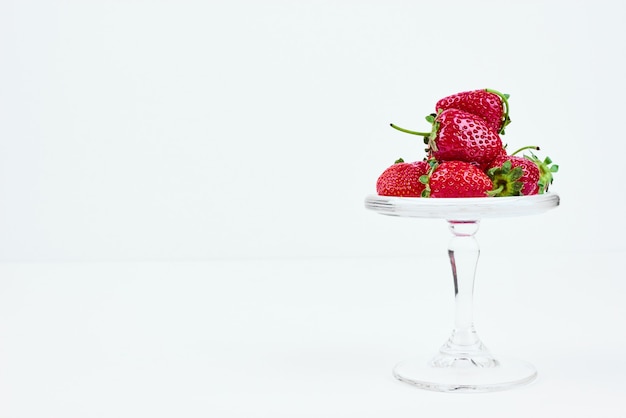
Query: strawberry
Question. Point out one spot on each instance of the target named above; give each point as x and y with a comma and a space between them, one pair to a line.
460, 136
402, 179
457, 179
490, 105
513, 176
463, 136
546, 169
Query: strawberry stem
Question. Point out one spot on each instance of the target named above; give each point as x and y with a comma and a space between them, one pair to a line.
410, 132
535, 147
505, 101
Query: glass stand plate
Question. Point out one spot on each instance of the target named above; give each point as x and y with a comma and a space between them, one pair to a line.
462, 209
463, 363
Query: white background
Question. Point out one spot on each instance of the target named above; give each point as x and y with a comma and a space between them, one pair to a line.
192, 130
145, 145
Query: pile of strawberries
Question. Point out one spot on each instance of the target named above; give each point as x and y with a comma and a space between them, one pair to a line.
465, 155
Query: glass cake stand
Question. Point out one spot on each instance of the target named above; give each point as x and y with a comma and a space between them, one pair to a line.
463, 363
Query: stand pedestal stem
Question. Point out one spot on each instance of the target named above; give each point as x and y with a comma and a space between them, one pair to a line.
463, 348
463, 252
463, 363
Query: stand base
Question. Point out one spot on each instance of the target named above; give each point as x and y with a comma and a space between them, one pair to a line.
505, 374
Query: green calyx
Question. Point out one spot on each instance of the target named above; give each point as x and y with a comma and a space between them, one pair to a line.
399, 160
505, 102
429, 137
546, 171
425, 179
505, 180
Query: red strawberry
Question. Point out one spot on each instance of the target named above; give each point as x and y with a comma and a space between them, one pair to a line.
546, 169
460, 136
402, 179
513, 176
458, 179
491, 105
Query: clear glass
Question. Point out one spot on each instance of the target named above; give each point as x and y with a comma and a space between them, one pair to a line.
463, 363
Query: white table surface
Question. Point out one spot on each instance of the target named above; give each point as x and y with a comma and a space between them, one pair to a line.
302, 337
